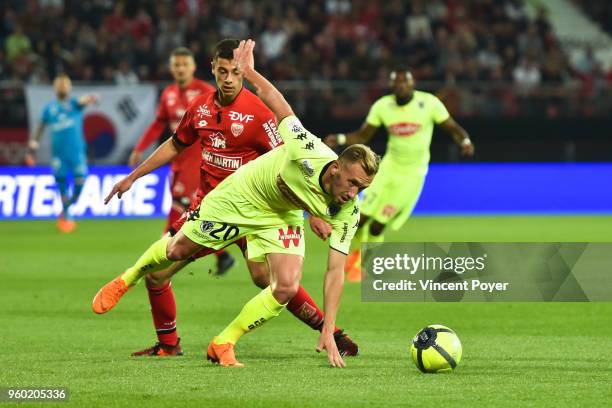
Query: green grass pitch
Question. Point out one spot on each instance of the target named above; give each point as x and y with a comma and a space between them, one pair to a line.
515, 354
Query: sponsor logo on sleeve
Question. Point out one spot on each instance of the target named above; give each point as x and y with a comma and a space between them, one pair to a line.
344, 231
295, 125
307, 169
272, 132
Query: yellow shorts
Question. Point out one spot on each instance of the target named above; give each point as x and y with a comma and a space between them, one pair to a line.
393, 193
225, 215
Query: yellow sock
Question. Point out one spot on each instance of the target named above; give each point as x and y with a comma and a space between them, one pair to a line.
152, 260
255, 312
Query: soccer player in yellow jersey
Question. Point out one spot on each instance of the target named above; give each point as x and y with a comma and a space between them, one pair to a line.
409, 117
265, 200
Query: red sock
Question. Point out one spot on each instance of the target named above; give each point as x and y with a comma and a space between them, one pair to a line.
304, 308
163, 308
173, 216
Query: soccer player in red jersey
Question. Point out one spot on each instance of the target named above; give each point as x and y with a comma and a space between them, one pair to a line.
233, 127
173, 103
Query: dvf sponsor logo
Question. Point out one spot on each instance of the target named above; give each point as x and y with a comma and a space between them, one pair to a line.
241, 117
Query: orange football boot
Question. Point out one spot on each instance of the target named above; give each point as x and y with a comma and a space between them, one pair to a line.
109, 295
222, 354
65, 226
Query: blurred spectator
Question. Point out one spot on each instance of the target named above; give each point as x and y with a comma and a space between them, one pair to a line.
234, 25
417, 22
17, 44
124, 74
273, 39
527, 76
472, 43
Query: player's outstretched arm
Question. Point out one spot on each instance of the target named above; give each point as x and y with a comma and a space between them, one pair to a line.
33, 144
460, 136
274, 100
164, 154
363, 135
332, 290
86, 100
152, 134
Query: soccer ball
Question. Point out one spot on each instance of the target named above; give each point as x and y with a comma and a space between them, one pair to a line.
436, 349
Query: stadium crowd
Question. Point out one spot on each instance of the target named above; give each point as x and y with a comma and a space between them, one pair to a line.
454, 42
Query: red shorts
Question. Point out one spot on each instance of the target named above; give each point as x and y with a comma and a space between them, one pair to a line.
185, 174
195, 204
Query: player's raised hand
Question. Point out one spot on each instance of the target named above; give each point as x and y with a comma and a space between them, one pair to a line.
319, 227
119, 188
326, 342
243, 55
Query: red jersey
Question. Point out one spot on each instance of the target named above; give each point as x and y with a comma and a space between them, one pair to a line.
172, 105
229, 136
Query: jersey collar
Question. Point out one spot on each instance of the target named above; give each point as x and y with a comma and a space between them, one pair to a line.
323, 170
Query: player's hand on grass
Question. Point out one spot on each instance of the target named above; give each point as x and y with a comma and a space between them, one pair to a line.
327, 342
320, 227
243, 55
119, 188
135, 158
467, 148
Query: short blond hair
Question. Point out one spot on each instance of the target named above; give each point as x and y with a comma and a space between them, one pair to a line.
362, 154
61, 77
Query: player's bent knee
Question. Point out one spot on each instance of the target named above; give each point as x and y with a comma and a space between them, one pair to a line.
376, 228
177, 252
180, 248
283, 293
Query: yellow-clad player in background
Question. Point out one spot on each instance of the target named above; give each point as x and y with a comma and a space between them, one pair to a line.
409, 117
